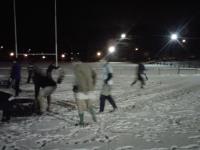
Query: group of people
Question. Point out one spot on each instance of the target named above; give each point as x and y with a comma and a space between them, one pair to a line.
85, 79
44, 86
84, 85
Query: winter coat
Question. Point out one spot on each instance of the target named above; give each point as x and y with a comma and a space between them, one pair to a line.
107, 73
141, 69
50, 69
16, 71
41, 79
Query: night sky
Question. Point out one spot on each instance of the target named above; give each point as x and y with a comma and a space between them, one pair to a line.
87, 27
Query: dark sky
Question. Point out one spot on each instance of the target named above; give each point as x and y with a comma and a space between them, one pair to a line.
90, 26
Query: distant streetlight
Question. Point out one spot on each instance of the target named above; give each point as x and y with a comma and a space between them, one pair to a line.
136, 49
63, 56
174, 37
184, 41
98, 54
12, 54
1, 47
111, 49
43, 57
123, 36
25, 55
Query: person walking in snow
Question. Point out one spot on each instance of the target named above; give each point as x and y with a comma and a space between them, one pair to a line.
107, 86
30, 71
140, 74
5, 106
83, 88
15, 76
47, 85
50, 68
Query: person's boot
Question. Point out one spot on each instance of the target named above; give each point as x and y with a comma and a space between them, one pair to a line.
81, 115
93, 114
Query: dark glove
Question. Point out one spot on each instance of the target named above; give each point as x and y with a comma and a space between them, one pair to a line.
75, 89
59, 80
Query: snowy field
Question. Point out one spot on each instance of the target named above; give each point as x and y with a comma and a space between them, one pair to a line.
165, 115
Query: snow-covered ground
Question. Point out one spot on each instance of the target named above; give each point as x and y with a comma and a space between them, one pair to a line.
165, 115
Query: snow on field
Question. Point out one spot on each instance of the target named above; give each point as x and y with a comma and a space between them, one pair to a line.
165, 115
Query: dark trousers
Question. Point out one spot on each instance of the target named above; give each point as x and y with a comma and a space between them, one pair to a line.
103, 98
141, 79
17, 90
5, 105
29, 76
37, 90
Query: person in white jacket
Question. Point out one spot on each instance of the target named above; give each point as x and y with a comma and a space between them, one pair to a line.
107, 86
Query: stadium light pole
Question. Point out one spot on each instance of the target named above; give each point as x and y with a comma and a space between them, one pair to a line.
56, 45
15, 29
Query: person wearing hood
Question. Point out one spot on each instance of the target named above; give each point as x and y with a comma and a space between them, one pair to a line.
107, 86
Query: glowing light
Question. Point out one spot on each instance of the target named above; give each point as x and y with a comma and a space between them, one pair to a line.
111, 49
136, 49
123, 36
98, 54
174, 36
12, 54
63, 56
184, 41
43, 57
25, 55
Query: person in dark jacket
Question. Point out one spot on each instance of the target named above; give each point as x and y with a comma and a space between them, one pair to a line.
50, 68
47, 85
30, 71
5, 106
16, 76
140, 73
